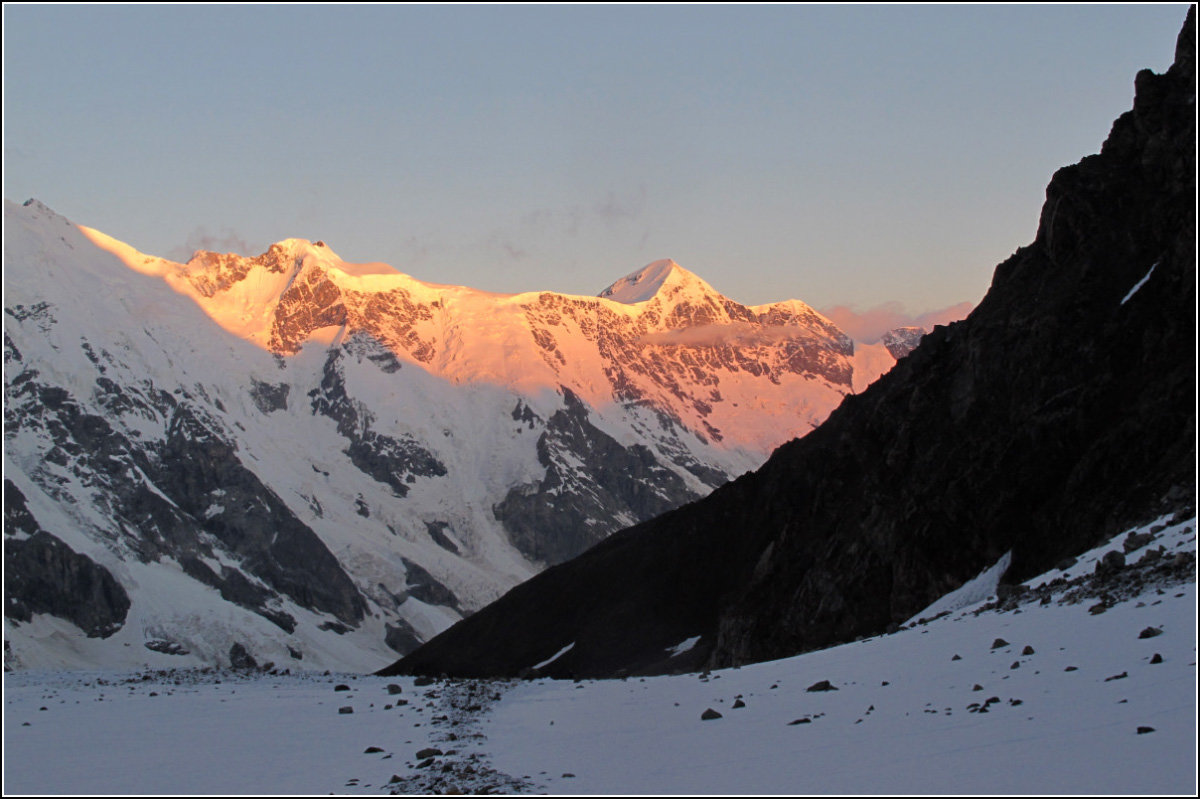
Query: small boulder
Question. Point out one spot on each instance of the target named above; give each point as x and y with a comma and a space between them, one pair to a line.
1136, 541
341, 687
1112, 562
1150, 632
709, 715
241, 659
370, 750
428, 752
1144, 730
823, 685
998, 643
1028, 650
393, 689
737, 703
1157, 658
346, 710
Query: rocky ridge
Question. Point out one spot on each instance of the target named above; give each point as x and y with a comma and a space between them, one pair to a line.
1060, 411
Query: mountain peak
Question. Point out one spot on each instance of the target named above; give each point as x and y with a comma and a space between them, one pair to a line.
656, 278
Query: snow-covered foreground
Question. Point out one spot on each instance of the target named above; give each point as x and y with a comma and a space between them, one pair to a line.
940, 707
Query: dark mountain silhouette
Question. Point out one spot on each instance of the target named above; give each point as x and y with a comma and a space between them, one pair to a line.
1060, 411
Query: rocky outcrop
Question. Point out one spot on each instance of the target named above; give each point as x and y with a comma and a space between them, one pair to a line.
44, 575
902, 340
392, 461
579, 504
1059, 412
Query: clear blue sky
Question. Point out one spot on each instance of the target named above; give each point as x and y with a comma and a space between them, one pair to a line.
836, 154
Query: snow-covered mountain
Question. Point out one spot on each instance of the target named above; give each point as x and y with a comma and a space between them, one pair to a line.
327, 463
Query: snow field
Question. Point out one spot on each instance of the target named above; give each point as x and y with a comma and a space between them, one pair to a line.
900, 721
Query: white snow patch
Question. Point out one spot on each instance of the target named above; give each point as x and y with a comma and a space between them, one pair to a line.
684, 646
555, 656
1139, 284
969, 593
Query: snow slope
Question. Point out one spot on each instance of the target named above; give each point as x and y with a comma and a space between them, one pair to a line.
1086, 711
431, 445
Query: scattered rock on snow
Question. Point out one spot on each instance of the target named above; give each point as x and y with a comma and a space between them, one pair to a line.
737, 703
1157, 658
1028, 650
709, 715
345, 710
823, 685
998, 643
1144, 730
1150, 632
1120, 676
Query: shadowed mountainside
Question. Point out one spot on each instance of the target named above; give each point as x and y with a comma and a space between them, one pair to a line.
1060, 411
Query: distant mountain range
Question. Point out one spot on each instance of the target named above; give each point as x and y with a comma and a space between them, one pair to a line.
1059, 412
324, 464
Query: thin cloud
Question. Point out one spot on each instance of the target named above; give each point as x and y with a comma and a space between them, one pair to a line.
738, 334
869, 326
201, 239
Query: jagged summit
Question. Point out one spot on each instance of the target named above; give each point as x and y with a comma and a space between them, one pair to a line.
664, 277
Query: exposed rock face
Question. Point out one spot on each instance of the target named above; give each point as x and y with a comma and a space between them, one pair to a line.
389, 460
577, 505
44, 575
1059, 412
903, 340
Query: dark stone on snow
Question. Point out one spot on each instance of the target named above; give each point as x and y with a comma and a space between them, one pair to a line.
371, 750
957, 657
428, 752
998, 643
709, 715
1120, 676
823, 685
1028, 650
1136, 541
345, 710
738, 703
1111, 562
1150, 632
1144, 730
341, 687
394, 689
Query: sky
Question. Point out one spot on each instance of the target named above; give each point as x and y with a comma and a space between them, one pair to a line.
879, 158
